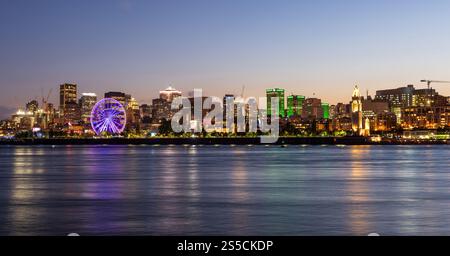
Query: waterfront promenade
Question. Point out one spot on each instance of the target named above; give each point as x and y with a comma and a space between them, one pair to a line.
219, 141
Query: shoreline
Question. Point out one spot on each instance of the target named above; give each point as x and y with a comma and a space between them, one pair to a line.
220, 141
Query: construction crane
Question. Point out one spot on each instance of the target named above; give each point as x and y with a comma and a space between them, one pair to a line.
433, 81
429, 82
242, 92
45, 100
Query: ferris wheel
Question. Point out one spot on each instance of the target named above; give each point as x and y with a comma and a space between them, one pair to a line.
108, 115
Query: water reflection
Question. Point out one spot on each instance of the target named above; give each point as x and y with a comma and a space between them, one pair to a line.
237, 190
358, 190
27, 190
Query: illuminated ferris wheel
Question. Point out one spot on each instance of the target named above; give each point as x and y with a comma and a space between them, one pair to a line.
108, 115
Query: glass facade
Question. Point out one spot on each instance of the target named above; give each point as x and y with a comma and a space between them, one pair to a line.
295, 105
326, 110
275, 93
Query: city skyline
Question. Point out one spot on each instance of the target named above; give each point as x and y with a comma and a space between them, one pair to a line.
141, 47
244, 120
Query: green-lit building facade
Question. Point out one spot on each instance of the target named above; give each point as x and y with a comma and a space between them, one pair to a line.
326, 110
295, 105
275, 93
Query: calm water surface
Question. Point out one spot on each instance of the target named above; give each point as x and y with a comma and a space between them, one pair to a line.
225, 190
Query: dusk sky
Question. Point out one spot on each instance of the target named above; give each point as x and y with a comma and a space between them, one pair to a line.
141, 47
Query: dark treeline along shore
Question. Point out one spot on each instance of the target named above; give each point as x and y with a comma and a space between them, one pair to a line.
217, 141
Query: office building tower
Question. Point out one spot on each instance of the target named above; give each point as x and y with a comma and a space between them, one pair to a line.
275, 93
295, 105
32, 106
68, 106
312, 109
169, 94
326, 110
162, 107
119, 96
87, 102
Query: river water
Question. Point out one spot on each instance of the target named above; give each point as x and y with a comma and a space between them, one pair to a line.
225, 190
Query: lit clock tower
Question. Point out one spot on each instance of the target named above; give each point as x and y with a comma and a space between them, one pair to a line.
357, 122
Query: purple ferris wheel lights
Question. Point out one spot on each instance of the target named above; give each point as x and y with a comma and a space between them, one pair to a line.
109, 116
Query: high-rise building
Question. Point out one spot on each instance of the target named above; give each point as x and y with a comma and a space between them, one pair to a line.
228, 106
162, 107
312, 108
400, 97
295, 105
119, 96
371, 107
32, 106
46, 117
67, 94
169, 94
360, 125
133, 112
423, 97
326, 110
68, 105
333, 111
341, 114
72, 113
275, 93
192, 101
406, 97
145, 113
87, 102
357, 122
227, 97
426, 117
342, 110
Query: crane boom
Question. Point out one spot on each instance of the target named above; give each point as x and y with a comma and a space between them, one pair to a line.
428, 85
48, 95
433, 81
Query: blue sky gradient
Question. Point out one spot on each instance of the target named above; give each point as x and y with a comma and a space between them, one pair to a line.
307, 47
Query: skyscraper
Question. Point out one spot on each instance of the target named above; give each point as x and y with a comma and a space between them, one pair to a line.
326, 110
72, 113
145, 113
133, 112
407, 97
230, 108
32, 106
357, 115
169, 94
275, 93
295, 105
119, 96
67, 94
162, 107
87, 102
68, 106
399, 97
312, 108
